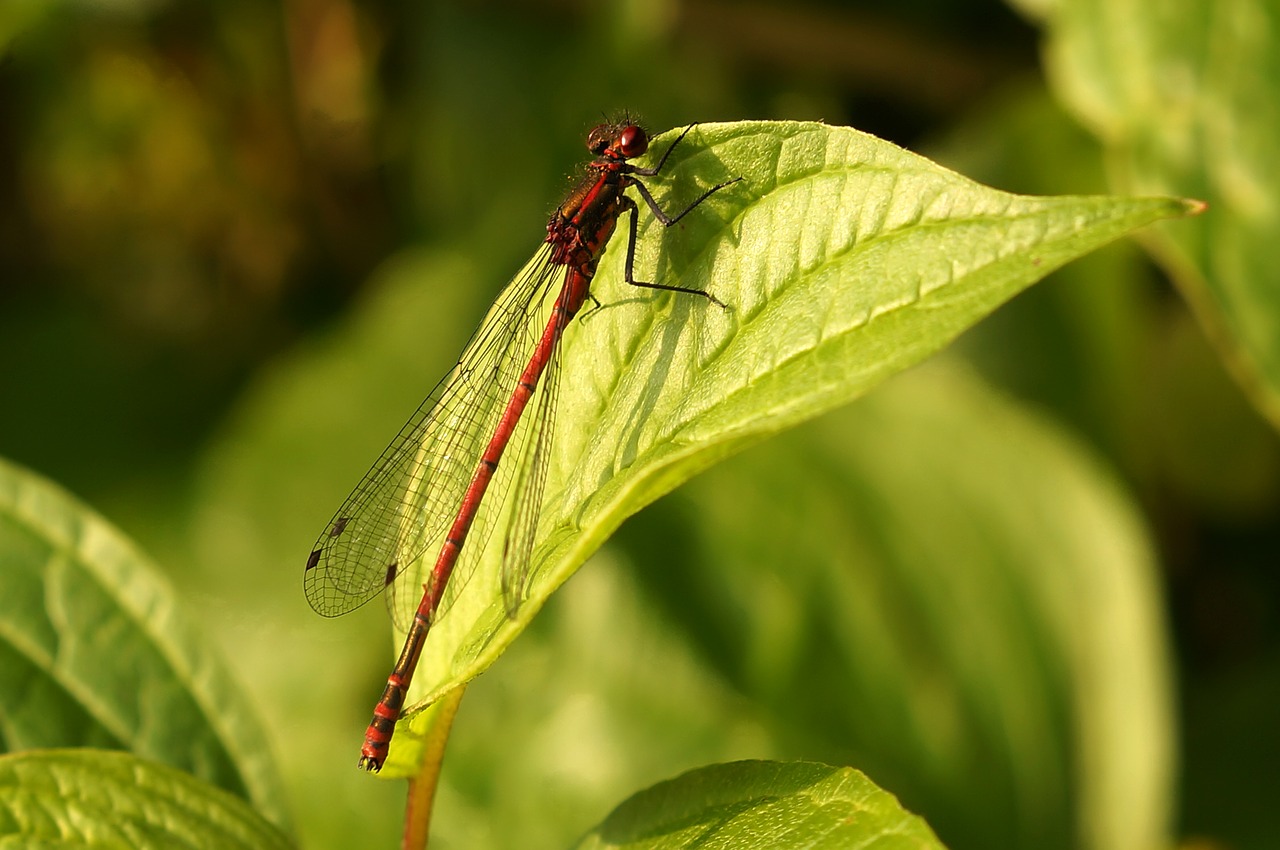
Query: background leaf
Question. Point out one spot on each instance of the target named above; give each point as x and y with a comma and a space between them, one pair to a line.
969, 596
1183, 98
87, 798
96, 653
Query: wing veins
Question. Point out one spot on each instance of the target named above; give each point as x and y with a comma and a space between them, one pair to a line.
410, 494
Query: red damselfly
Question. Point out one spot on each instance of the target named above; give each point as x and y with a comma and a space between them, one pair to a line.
429, 486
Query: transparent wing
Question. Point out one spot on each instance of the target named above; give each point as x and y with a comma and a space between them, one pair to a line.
408, 499
532, 471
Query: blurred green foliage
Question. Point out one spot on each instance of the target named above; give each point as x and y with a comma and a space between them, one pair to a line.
215, 213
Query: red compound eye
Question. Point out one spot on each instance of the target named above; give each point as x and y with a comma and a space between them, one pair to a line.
632, 141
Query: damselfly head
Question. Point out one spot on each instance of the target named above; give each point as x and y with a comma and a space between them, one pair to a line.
618, 141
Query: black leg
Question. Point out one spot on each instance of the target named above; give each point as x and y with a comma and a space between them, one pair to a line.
629, 206
666, 220
595, 305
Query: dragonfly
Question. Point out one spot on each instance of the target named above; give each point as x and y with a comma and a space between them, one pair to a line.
429, 487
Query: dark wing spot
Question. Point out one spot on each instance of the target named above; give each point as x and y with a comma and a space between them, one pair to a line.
393, 570
339, 525
313, 559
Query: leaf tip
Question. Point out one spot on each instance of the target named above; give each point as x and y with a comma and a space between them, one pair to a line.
1193, 206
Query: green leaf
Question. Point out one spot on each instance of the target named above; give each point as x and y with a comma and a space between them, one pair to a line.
1184, 97
844, 259
94, 652
86, 798
762, 804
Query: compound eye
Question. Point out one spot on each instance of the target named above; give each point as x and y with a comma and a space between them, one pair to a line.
598, 139
632, 141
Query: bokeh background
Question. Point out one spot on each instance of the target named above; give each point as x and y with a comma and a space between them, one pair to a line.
240, 240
